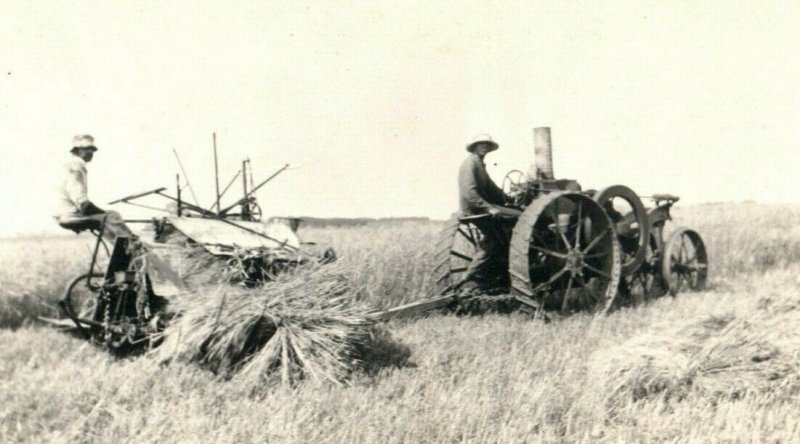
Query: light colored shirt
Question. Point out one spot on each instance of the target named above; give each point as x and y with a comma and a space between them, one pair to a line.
73, 188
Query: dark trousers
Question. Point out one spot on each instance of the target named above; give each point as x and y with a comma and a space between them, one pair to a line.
114, 225
489, 266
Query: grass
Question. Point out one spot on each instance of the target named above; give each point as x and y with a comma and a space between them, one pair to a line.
720, 366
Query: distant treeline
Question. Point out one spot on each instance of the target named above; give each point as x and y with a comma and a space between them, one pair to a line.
357, 221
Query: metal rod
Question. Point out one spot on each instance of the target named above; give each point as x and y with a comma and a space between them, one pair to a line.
139, 221
187, 205
244, 177
244, 193
178, 192
136, 196
180, 164
96, 248
216, 170
91, 322
229, 184
413, 308
244, 199
152, 208
268, 179
250, 171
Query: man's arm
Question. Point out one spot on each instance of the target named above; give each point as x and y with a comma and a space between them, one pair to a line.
76, 189
498, 196
468, 187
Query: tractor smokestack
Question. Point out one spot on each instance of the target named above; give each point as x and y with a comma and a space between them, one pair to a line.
543, 153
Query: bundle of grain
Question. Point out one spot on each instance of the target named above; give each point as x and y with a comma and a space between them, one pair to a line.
715, 356
302, 325
643, 367
753, 355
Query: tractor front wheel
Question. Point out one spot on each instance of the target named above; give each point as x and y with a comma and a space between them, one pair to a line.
684, 262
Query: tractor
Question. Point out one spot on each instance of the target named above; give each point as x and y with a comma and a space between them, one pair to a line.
572, 249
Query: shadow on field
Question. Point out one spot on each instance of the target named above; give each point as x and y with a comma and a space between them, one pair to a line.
17, 311
381, 350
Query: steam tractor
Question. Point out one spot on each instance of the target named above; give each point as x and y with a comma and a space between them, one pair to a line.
574, 249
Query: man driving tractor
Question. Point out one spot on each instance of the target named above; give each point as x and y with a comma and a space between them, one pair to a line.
479, 195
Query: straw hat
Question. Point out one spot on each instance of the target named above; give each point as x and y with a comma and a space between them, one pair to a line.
83, 141
483, 138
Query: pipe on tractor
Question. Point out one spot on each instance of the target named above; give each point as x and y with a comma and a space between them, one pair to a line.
543, 154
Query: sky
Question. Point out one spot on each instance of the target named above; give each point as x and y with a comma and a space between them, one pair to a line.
372, 103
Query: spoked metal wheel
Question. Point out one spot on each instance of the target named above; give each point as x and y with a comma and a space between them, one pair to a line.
630, 221
684, 262
81, 296
455, 248
646, 283
255, 212
565, 254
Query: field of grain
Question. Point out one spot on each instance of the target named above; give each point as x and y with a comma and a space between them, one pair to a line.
718, 366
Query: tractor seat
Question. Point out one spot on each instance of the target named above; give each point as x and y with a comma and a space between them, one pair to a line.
482, 221
475, 218
665, 197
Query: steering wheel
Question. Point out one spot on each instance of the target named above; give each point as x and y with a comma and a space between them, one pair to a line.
515, 186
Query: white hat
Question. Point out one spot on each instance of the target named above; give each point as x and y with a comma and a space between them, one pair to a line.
83, 141
482, 138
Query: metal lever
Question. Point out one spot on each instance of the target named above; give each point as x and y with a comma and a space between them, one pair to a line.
136, 196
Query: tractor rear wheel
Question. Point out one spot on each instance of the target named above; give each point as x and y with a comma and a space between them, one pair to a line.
565, 254
630, 221
456, 246
684, 262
